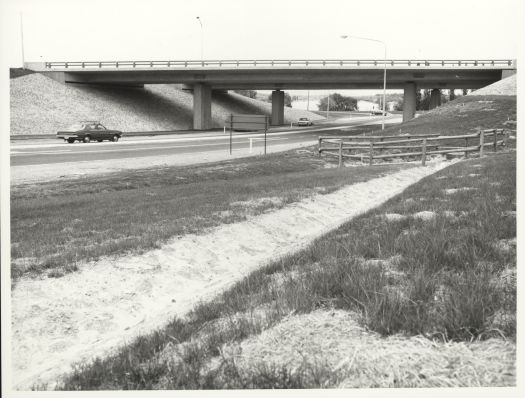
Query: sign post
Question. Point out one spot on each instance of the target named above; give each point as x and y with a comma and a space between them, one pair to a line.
265, 131
231, 132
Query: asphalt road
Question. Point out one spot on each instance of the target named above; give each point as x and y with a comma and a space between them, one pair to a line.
50, 151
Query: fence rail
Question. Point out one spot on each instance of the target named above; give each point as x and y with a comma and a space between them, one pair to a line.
370, 147
279, 63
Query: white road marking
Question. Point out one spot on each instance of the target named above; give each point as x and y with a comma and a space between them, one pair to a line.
74, 152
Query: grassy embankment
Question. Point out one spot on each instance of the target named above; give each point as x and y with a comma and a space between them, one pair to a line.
56, 225
462, 116
438, 260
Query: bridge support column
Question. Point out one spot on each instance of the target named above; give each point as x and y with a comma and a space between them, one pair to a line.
409, 101
201, 107
277, 108
435, 98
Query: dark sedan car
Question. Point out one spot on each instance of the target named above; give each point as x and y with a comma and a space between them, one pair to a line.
87, 131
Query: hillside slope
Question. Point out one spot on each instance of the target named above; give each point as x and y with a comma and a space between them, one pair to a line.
40, 105
489, 107
507, 86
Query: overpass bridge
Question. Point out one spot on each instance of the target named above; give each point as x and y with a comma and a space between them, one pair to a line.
277, 75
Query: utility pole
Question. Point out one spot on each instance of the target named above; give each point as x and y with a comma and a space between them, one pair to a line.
328, 106
308, 101
22, 38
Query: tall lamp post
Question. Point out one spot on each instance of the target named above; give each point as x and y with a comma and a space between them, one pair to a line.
202, 38
384, 71
22, 39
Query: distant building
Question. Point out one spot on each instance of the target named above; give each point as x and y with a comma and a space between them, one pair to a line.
366, 106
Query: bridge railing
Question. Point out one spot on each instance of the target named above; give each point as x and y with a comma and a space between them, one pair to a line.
279, 63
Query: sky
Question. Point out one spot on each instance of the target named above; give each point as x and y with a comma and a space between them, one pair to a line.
80, 30
60, 30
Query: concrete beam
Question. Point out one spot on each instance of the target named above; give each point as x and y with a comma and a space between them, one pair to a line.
201, 107
435, 98
288, 79
58, 76
507, 72
188, 88
277, 108
409, 101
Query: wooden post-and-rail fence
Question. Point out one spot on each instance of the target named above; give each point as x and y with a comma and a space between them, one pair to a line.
366, 147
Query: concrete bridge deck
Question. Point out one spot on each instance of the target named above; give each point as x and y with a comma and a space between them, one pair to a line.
207, 75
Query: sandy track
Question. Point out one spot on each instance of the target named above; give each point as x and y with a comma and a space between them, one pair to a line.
56, 322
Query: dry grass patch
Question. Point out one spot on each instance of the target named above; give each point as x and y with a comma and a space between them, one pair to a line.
355, 357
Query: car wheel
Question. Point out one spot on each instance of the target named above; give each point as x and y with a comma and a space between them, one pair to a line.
71, 140
87, 139
99, 140
115, 138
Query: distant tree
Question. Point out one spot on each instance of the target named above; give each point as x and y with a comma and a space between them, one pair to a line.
338, 102
287, 100
465, 91
444, 97
247, 93
398, 106
423, 100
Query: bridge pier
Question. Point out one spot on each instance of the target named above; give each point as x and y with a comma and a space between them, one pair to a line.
435, 98
201, 107
409, 101
277, 108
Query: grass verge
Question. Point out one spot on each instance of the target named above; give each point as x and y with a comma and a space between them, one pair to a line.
438, 261
57, 225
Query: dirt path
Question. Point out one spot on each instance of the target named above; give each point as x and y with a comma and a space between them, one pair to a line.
57, 322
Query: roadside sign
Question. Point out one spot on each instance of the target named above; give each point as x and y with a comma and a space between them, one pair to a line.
247, 123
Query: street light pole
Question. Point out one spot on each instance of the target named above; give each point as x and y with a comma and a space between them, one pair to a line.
328, 106
22, 38
308, 101
202, 39
384, 71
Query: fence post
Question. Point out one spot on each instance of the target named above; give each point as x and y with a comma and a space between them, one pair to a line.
319, 148
424, 153
495, 140
505, 138
340, 153
371, 159
481, 142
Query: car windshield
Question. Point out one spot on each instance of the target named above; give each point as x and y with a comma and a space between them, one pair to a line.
303, 118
